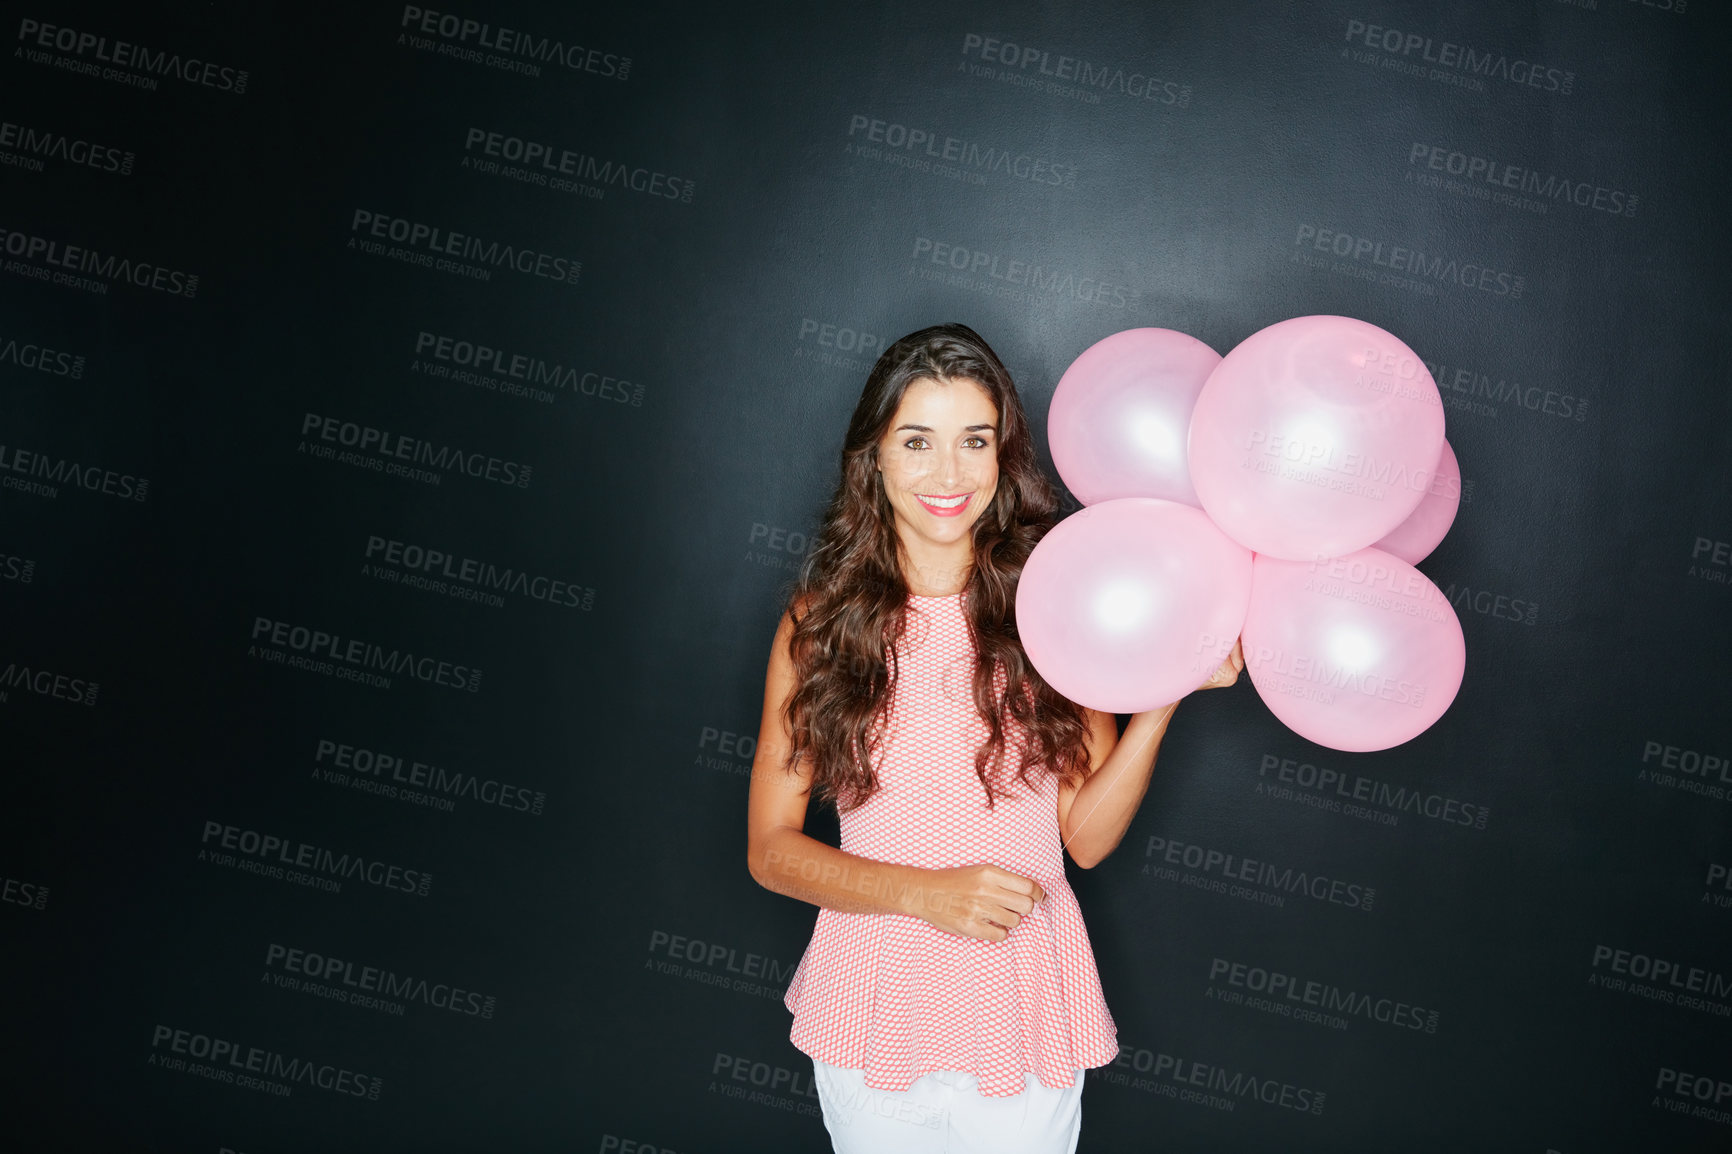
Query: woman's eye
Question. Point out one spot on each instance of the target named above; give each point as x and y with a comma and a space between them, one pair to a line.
920, 443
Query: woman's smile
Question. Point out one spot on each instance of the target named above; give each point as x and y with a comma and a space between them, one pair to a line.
944, 506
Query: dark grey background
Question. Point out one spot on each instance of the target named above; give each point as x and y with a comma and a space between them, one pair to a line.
1596, 621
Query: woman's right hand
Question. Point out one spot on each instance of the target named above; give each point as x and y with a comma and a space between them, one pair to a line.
977, 901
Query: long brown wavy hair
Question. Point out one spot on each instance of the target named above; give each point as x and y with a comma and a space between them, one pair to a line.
853, 593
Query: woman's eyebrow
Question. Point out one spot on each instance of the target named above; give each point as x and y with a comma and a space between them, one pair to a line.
966, 429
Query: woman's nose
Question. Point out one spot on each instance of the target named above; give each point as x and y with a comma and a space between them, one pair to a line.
950, 466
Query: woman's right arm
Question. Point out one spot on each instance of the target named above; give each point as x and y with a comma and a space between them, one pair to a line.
981, 901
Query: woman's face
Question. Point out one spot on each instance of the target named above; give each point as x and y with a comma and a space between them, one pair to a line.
939, 461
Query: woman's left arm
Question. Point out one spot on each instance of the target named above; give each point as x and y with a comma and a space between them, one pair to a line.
1093, 817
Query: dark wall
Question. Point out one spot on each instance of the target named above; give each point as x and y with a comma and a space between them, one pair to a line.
408, 436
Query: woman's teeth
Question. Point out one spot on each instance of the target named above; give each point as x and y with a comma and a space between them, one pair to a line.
944, 502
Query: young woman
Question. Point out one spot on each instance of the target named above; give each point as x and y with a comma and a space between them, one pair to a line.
949, 999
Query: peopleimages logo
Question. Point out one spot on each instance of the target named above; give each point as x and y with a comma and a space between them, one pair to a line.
1707, 775
1711, 560
443, 250
465, 578
395, 776
995, 274
1324, 464
1470, 390
254, 1067
1487, 603
507, 49
1206, 1084
720, 957
772, 1082
1404, 261
1310, 677
89, 54
1012, 63
567, 170
52, 472
16, 568
1701, 1096
934, 146
1302, 999
1353, 794
1661, 980
20, 677
77, 266
733, 751
325, 869
1457, 63
352, 659
837, 345
30, 895
1484, 178
1230, 869
39, 358
25, 146
718, 965
1675, 7
381, 450
516, 374
353, 983
1719, 879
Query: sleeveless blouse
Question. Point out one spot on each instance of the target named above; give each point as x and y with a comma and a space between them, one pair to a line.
897, 997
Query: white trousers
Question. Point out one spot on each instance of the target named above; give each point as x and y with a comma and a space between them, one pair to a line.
944, 1112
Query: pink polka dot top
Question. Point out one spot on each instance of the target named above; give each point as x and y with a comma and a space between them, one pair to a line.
895, 996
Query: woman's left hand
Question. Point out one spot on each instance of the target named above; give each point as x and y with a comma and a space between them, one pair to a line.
1228, 673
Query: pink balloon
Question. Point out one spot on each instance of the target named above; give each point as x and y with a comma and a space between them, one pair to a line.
1358, 653
1315, 437
1122, 412
1132, 603
1415, 538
